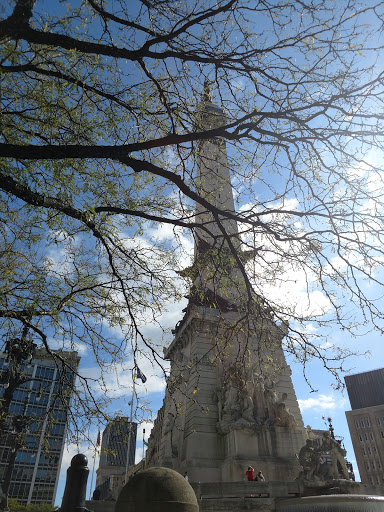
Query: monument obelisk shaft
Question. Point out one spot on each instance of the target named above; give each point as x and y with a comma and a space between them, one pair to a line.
229, 400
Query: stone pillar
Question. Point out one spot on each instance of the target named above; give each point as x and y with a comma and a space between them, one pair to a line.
76, 485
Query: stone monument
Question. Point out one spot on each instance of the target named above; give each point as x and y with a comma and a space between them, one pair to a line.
229, 400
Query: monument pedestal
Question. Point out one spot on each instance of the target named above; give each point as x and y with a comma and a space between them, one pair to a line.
269, 450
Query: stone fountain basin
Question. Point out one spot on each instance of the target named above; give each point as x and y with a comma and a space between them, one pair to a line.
333, 503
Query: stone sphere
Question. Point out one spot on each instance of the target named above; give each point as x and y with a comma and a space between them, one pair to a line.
79, 460
157, 490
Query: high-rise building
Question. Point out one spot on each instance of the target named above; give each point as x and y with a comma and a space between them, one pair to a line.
366, 423
114, 451
41, 403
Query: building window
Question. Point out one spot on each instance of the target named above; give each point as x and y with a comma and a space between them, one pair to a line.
378, 480
363, 450
361, 438
357, 424
369, 450
374, 449
362, 423
371, 436
371, 480
373, 465
365, 436
378, 464
382, 434
367, 465
367, 422
378, 421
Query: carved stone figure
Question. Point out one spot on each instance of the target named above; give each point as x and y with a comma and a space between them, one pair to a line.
285, 417
219, 397
310, 460
271, 399
247, 412
310, 434
259, 411
337, 454
270, 390
230, 402
314, 468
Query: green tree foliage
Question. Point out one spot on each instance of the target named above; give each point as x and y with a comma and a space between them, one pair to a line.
15, 506
99, 136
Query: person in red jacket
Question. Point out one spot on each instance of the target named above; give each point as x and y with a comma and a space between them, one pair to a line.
249, 474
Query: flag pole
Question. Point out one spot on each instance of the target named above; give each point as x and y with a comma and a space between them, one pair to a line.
94, 461
143, 442
93, 472
130, 430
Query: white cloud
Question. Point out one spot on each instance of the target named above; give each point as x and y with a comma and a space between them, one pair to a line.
279, 272
118, 381
293, 296
67, 344
161, 232
322, 403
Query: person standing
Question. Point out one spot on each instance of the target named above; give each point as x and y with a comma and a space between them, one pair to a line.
249, 473
186, 476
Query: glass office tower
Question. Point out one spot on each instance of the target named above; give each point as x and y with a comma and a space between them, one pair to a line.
113, 455
42, 404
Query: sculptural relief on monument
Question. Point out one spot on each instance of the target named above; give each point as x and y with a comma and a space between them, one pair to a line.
249, 401
313, 460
